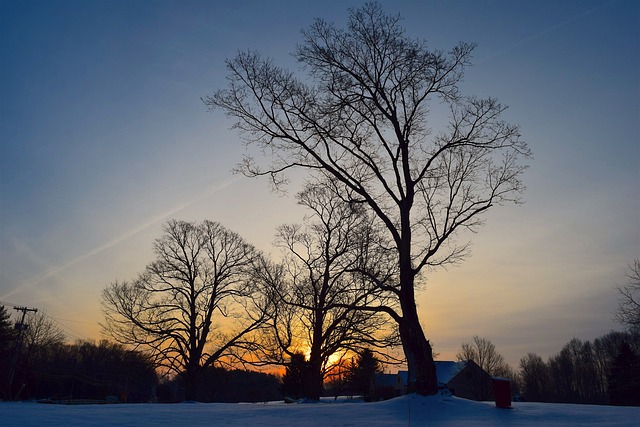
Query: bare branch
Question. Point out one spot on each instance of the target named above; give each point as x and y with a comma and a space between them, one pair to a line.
176, 309
362, 116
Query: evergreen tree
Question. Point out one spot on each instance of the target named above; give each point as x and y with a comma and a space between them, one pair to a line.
294, 379
624, 377
361, 374
7, 342
6, 331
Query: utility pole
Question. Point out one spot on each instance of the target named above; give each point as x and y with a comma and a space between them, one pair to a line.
21, 327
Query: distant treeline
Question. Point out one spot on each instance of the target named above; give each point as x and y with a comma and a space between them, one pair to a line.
220, 385
85, 370
36, 363
107, 371
606, 371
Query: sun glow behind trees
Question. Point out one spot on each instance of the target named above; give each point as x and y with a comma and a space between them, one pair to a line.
59, 203
361, 116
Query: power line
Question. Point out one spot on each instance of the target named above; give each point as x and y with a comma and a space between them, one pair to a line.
77, 335
69, 332
78, 321
21, 327
6, 303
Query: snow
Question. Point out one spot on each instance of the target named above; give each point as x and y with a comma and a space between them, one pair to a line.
445, 371
403, 411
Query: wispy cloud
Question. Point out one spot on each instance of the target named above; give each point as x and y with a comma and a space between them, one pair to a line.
519, 43
155, 219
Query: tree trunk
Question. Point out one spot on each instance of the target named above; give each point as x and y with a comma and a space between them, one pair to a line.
313, 386
191, 382
314, 378
189, 388
422, 369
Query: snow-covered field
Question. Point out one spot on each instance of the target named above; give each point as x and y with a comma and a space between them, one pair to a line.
403, 411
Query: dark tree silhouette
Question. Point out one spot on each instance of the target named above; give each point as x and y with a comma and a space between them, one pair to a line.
605, 350
7, 345
54, 370
580, 372
624, 377
195, 305
628, 312
361, 374
535, 378
484, 353
320, 288
294, 380
42, 333
217, 384
362, 117
7, 333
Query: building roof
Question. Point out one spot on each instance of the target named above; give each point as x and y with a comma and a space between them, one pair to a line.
404, 377
445, 371
386, 380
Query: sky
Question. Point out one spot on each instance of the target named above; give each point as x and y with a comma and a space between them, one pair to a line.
406, 410
104, 137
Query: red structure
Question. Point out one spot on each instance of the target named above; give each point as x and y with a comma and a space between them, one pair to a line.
502, 392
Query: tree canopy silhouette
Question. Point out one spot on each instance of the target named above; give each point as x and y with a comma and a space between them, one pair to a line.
318, 288
195, 305
628, 312
363, 116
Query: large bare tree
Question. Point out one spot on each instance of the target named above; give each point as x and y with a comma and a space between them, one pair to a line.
362, 115
195, 305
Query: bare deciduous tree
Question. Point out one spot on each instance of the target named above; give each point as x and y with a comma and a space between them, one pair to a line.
363, 116
195, 305
628, 312
42, 333
320, 288
484, 353
535, 377
580, 372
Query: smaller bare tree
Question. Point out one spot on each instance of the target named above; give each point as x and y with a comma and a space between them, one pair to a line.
42, 333
536, 379
325, 305
628, 312
483, 352
196, 305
